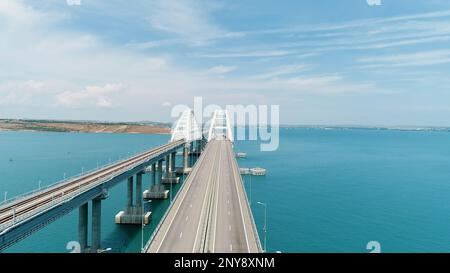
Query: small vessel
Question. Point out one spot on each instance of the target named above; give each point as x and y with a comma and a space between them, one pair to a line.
244, 170
258, 171
241, 155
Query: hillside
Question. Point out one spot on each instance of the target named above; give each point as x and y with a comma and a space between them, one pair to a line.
82, 126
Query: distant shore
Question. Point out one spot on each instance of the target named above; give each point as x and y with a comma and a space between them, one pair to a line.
83, 126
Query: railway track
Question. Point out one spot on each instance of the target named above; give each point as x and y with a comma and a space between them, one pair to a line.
27, 204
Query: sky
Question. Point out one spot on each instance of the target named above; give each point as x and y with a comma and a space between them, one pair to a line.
322, 61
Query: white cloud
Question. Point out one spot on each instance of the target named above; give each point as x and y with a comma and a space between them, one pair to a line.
412, 59
374, 33
248, 54
34, 84
374, 22
188, 19
73, 2
15, 9
282, 70
221, 69
71, 67
22, 93
100, 96
152, 44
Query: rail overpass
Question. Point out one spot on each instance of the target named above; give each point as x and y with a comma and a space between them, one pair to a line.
23, 215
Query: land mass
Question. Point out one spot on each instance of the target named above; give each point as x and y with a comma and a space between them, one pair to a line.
367, 127
84, 126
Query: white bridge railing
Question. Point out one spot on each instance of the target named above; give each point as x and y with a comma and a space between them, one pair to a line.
65, 180
59, 199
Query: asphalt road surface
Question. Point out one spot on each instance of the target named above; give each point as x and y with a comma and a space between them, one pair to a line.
210, 214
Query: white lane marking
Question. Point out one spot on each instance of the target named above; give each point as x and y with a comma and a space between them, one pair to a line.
231, 247
228, 201
229, 228
187, 218
190, 205
217, 200
204, 200
233, 160
229, 213
181, 234
192, 174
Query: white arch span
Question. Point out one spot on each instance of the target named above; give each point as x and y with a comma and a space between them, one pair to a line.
186, 127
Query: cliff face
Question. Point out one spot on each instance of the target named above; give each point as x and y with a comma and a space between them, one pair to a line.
88, 127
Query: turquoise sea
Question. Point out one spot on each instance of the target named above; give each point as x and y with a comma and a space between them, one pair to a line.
326, 190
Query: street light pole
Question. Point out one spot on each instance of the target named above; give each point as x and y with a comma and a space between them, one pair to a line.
265, 224
170, 190
250, 189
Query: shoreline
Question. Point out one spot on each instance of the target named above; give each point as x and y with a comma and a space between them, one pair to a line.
82, 127
77, 132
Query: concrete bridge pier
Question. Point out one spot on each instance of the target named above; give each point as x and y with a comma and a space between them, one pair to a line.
186, 156
172, 162
198, 147
96, 220
83, 227
157, 189
171, 176
185, 169
96, 224
134, 212
196, 150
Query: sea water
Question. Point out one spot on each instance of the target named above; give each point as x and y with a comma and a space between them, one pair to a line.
326, 190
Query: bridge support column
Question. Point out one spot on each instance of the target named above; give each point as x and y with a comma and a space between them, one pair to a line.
167, 163
172, 162
200, 144
160, 170
96, 224
186, 158
139, 191
157, 191
96, 220
171, 176
133, 213
153, 175
196, 150
83, 227
129, 192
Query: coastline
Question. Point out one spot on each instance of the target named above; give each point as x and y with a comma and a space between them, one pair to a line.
83, 127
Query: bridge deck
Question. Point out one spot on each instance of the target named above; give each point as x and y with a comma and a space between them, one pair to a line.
210, 213
13, 213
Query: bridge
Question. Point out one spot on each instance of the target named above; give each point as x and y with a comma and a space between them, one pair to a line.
210, 213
